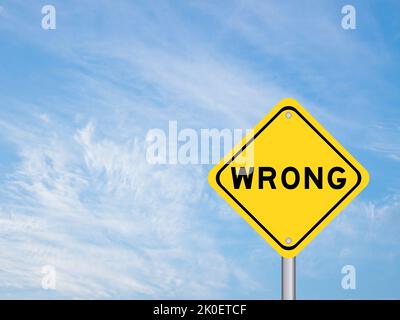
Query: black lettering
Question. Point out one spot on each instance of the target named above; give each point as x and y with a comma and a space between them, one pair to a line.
309, 174
340, 182
270, 178
237, 178
296, 178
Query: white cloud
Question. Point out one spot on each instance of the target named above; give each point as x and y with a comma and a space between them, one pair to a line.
384, 137
364, 229
111, 224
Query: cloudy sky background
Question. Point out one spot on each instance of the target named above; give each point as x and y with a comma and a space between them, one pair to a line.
75, 106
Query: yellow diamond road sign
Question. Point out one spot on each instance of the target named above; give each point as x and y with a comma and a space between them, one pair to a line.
288, 178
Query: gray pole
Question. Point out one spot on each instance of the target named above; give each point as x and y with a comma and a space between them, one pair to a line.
288, 278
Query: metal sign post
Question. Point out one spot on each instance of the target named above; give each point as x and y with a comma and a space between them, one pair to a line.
288, 278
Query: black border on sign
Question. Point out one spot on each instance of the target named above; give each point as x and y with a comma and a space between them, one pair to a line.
325, 215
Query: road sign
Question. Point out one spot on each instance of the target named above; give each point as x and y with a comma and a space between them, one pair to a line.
288, 178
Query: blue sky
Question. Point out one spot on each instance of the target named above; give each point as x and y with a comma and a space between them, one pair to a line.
76, 104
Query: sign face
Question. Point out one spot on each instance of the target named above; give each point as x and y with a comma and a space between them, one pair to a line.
288, 178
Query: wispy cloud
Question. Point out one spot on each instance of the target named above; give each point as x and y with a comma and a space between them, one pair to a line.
110, 223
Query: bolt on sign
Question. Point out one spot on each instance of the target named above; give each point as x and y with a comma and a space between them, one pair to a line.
288, 178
